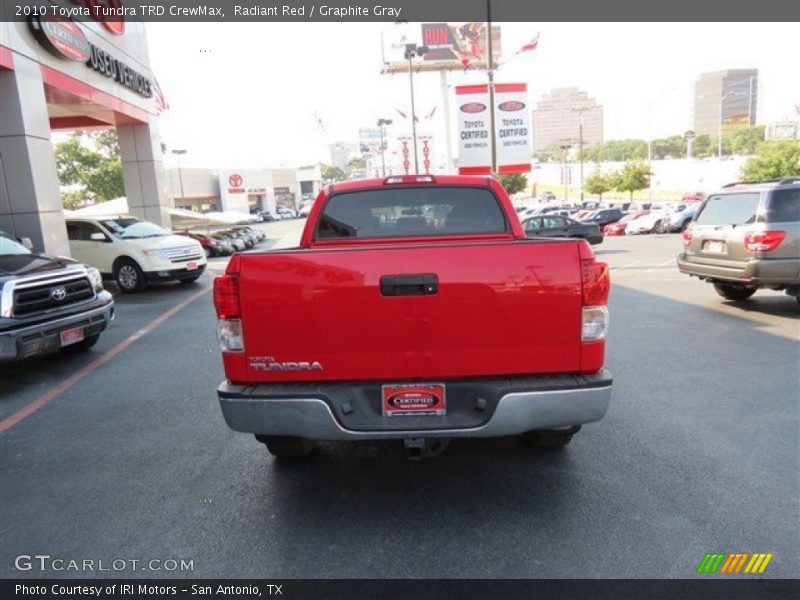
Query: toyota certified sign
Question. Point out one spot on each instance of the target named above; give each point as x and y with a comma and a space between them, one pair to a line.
511, 129
235, 180
61, 38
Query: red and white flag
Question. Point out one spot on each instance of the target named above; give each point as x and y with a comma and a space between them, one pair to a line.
430, 114
530, 45
158, 95
405, 115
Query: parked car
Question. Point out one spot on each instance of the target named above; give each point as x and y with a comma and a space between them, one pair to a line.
679, 220
48, 303
603, 217
693, 197
257, 234
378, 370
559, 226
619, 227
241, 235
646, 223
746, 237
135, 252
547, 196
211, 246
235, 243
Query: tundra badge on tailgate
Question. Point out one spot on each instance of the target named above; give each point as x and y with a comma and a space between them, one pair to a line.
267, 363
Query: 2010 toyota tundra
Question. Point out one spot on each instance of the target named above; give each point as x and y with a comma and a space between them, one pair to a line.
416, 309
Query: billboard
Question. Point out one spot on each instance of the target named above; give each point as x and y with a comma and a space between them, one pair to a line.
405, 155
512, 129
452, 47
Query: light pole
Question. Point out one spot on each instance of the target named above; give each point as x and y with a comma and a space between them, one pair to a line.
412, 51
178, 154
580, 112
382, 123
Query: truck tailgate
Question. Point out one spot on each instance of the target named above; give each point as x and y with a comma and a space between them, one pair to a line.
502, 308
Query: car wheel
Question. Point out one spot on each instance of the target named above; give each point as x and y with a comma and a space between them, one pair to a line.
129, 276
733, 292
83, 345
550, 438
282, 446
191, 279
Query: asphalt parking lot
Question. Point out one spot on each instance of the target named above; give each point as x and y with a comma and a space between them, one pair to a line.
699, 452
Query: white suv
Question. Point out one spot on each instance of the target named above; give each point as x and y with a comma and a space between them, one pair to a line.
134, 252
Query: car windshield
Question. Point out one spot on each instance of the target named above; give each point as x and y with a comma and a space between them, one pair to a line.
9, 247
129, 228
729, 209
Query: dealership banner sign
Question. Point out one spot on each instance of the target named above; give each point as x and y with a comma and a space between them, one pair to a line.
512, 129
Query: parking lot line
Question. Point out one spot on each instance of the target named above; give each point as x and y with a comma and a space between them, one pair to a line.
47, 397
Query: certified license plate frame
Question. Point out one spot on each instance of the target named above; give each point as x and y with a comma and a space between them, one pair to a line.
70, 336
414, 400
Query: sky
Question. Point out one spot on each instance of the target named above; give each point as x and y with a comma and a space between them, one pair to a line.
245, 95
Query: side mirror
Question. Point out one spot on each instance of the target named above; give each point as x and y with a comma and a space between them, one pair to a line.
98, 237
26, 241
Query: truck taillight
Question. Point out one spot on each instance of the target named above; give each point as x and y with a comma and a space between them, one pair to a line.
763, 241
226, 296
596, 282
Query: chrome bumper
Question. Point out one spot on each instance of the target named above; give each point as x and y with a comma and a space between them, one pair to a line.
313, 418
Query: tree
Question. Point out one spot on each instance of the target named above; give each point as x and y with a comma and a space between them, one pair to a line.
702, 146
744, 141
598, 183
773, 159
514, 183
634, 176
331, 173
90, 164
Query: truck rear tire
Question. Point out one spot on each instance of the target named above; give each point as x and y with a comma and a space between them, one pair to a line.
549, 438
733, 292
286, 446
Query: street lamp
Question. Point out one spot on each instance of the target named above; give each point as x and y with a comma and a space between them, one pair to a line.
178, 154
412, 51
580, 112
382, 123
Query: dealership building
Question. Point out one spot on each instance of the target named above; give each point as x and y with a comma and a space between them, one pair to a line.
67, 76
242, 190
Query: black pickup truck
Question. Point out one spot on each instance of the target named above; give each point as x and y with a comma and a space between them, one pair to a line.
48, 303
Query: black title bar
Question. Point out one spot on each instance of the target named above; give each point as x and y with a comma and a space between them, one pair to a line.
225, 11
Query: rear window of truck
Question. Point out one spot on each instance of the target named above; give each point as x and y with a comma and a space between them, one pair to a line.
784, 206
729, 209
411, 212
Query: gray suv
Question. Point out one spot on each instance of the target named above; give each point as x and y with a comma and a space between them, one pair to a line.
745, 237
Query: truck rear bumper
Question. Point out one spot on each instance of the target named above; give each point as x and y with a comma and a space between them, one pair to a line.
271, 409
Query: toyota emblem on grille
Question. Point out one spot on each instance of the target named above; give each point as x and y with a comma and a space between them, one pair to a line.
58, 293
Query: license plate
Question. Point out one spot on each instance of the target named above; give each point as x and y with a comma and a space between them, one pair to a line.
71, 336
417, 399
191, 266
714, 246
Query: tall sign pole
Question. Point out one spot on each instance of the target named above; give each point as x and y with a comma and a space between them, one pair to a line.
492, 144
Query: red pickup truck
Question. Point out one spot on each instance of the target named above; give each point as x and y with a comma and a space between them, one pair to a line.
415, 309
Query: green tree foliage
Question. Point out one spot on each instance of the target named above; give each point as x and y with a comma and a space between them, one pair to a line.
702, 146
616, 150
598, 183
634, 176
744, 141
773, 159
514, 183
331, 173
90, 164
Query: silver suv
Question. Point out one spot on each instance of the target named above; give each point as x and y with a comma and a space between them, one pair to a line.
745, 237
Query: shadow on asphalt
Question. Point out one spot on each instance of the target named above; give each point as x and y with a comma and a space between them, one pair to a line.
777, 306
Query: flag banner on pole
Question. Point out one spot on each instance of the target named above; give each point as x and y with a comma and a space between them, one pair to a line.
530, 45
512, 129
158, 95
